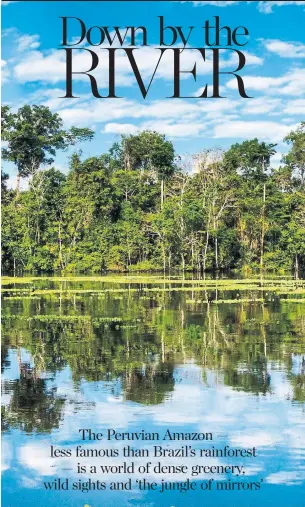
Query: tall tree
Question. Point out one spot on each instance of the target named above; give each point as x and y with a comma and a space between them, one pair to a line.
150, 151
251, 159
4, 189
216, 194
296, 156
33, 135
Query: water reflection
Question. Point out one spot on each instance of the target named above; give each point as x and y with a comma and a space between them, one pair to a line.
33, 405
123, 357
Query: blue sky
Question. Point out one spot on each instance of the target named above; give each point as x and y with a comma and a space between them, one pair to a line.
34, 71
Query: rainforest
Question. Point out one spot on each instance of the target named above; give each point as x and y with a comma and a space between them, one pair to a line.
142, 206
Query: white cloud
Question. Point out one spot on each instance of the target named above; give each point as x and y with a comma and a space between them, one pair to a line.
89, 109
266, 7
52, 98
169, 109
235, 416
4, 71
225, 118
12, 182
173, 129
6, 455
174, 118
50, 67
261, 105
253, 59
169, 128
9, 32
35, 66
28, 42
267, 130
37, 457
285, 49
288, 478
180, 108
101, 111
294, 83
291, 83
260, 83
215, 3
257, 439
295, 107
120, 128
29, 482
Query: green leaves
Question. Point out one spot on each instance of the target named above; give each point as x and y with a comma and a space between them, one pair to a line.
295, 159
250, 158
149, 151
137, 207
33, 136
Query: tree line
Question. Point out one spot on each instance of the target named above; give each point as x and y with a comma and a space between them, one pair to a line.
141, 206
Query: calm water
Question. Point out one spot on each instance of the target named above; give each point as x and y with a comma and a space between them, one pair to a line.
222, 358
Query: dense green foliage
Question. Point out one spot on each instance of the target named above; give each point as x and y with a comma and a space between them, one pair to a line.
142, 207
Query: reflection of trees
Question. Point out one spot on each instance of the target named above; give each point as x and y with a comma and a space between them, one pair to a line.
297, 381
33, 406
253, 379
151, 384
5, 345
242, 362
298, 386
239, 340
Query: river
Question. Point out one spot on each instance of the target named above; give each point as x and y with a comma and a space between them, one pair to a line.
144, 355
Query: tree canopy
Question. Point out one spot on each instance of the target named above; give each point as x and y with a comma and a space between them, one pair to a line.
33, 135
141, 206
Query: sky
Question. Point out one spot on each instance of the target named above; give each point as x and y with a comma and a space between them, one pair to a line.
33, 71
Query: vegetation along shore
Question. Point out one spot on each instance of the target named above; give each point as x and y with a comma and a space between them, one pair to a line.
143, 207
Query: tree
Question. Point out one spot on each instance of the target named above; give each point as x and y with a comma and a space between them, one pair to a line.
223, 210
295, 159
4, 190
293, 235
251, 159
87, 212
163, 225
33, 136
216, 194
129, 232
45, 218
149, 151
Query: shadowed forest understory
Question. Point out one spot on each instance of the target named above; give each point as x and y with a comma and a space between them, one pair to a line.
141, 206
